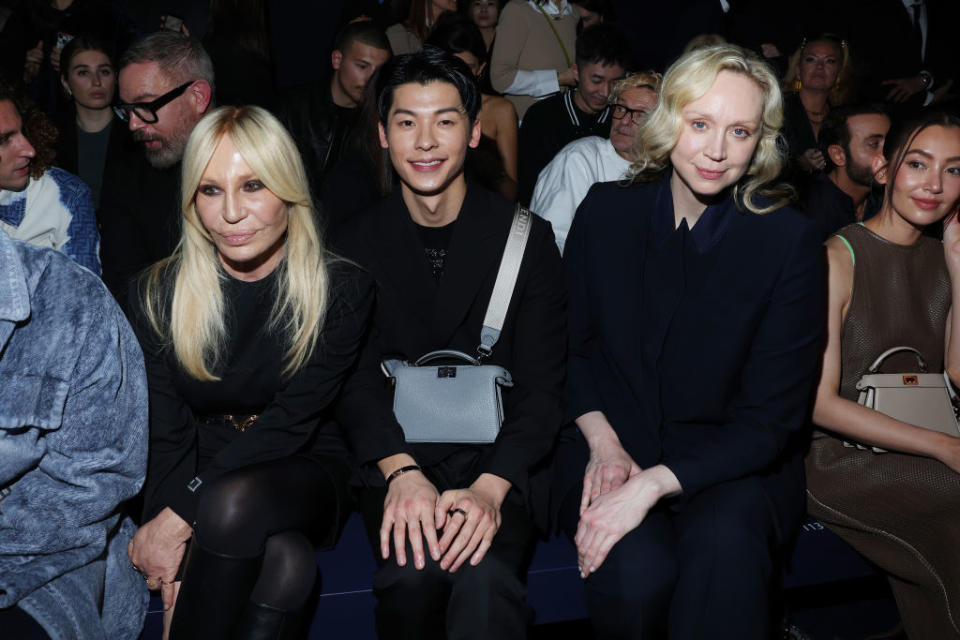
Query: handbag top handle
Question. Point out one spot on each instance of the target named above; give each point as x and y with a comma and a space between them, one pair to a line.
875, 367
506, 281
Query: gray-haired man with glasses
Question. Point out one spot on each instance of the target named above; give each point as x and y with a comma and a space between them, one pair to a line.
564, 182
166, 86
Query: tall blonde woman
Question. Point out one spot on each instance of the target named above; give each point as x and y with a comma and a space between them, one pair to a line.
248, 330
695, 312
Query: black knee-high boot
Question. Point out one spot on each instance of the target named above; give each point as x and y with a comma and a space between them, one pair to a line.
213, 594
263, 622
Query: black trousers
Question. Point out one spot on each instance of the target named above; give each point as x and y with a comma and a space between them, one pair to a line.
701, 569
481, 602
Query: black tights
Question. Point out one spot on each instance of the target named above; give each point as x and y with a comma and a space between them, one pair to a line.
253, 540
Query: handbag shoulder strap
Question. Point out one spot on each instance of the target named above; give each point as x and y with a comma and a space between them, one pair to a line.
506, 281
566, 55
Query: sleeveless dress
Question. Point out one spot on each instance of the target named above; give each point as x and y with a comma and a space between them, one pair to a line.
902, 512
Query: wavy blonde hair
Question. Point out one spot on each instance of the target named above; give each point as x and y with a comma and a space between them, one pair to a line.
191, 314
842, 91
688, 79
635, 80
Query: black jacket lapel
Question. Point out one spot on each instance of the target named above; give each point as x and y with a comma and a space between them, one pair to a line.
472, 261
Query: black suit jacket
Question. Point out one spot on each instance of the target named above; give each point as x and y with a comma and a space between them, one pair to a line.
139, 216
707, 371
884, 47
414, 315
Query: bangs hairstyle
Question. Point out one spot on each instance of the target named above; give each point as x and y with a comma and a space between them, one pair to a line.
430, 64
688, 79
192, 315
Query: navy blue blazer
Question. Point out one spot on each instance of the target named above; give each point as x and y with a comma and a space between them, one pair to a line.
700, 346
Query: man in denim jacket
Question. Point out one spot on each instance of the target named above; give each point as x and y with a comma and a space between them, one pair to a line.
73, 446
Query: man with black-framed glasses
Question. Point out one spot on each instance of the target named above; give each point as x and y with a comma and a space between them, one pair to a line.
564, 182
166, 85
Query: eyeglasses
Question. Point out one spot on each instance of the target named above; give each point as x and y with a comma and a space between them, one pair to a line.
147, 111
620, 111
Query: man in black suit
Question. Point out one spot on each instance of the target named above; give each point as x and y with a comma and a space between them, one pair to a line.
852, 137
166, 86
903, 50
459, 518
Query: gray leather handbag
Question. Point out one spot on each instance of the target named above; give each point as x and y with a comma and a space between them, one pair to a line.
923, 399
461, 400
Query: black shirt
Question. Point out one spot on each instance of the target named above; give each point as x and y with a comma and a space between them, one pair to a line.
435, 242
187, 450
828, 206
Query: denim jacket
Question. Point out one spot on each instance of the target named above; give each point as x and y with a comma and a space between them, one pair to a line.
73, 446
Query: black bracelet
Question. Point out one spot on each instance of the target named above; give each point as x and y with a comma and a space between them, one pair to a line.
402, 470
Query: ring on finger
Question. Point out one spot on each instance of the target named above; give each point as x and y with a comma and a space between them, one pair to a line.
460, 511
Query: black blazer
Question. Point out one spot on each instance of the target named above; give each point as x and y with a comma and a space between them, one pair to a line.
702, 361
414, 315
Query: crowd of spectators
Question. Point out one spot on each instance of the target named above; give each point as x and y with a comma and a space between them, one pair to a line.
278, 198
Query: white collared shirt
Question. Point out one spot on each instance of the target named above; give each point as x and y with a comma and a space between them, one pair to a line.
564, 183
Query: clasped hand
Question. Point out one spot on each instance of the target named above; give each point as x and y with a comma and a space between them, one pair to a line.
156, 551
608, 468
617, 512
469, 519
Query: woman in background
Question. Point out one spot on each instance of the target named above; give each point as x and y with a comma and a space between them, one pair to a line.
87, 133
485, 14
818, 77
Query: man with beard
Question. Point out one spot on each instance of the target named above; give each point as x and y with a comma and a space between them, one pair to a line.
564, 182
852, 137
166, 86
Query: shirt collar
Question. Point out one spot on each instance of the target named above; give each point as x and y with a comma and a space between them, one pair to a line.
707, 231
551, 9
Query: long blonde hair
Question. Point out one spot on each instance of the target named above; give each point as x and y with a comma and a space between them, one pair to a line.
688, 79
191, 316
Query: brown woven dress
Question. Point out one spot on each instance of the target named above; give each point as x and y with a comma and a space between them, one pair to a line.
900, 511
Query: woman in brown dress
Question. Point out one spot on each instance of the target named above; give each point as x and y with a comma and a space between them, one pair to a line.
890, 286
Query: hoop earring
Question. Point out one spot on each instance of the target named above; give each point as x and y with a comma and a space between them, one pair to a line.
797, 85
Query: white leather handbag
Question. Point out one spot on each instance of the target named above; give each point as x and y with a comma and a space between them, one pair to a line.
923, 399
